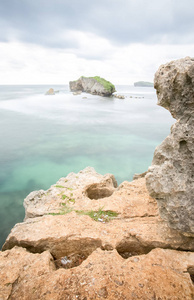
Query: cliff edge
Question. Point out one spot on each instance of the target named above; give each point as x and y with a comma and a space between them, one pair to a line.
170, 179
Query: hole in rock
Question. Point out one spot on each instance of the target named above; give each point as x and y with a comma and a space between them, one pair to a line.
191, 273
70, 261
132, 247
96, 191
183, 145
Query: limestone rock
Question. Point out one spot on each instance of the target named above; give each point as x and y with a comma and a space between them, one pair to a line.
170, 179
50, 92
71, 255
93, 85
161, 274
77, 191
136, 230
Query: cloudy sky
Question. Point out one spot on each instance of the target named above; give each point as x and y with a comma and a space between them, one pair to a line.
54, 41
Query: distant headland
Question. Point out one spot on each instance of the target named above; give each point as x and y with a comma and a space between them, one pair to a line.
143, 84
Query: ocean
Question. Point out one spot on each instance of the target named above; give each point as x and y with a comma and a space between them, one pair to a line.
44, 138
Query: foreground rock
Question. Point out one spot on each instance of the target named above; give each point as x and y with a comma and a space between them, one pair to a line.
93, 85
170, 179
161, 274
86, 238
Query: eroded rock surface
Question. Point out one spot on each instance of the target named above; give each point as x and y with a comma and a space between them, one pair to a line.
170, 179
63, 251
161, 274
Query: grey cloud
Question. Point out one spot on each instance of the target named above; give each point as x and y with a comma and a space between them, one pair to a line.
122, 22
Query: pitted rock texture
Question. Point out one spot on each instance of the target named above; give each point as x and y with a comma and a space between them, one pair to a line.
68, 255
170, 179
161, 274
136, 230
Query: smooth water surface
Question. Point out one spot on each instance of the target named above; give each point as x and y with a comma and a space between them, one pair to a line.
44, 138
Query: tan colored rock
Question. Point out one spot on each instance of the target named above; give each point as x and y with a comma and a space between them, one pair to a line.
88, 190
161, 274
68, 234
17, 266
86, 259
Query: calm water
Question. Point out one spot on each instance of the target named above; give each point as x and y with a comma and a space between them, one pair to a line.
44, 138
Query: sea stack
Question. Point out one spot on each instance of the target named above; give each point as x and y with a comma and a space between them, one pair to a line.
93, 85
170, 179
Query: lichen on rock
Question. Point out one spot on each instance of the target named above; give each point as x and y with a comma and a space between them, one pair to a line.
170, 179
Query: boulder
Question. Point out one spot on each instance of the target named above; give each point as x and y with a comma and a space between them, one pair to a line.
50, 92
170, 178
93, 85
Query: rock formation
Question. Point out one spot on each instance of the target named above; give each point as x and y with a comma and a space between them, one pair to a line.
93, 85
50, 92
86, 238
170, 179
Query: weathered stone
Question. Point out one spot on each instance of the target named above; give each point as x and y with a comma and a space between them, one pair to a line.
92, 85
75, 257
137, 176
75, 190
50, 92
136, 230
161, 274
170, 179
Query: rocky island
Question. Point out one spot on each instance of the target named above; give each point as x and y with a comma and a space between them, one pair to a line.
93, 85
88, 238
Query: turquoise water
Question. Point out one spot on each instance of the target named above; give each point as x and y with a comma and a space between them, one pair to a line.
44, 138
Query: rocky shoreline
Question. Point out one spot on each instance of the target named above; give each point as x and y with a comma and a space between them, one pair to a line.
88, 238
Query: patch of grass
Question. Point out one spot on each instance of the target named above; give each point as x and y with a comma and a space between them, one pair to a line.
106, 84
65, 210
59, 186
100, 215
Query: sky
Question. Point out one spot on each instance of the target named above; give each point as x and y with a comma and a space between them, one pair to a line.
55, 41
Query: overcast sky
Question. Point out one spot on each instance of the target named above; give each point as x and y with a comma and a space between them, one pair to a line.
55, 41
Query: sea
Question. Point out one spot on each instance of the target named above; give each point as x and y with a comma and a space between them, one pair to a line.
43, 138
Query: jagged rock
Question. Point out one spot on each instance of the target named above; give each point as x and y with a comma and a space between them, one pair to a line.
161, 274
50, 92
71, 256
93, 85
136, 230
170, 179
137, 176
75, 190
